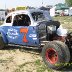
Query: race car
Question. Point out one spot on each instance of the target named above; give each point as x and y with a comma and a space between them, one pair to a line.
35, 29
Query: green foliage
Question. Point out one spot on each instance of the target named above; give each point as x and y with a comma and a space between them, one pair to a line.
37, 62
41, 67
68, 2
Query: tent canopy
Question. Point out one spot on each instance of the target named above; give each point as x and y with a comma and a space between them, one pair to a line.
61, 6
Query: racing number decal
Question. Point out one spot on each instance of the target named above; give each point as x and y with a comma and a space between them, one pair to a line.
25, 31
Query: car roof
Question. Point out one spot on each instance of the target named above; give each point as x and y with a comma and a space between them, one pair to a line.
25, 11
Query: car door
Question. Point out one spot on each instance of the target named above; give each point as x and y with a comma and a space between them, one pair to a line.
21, 32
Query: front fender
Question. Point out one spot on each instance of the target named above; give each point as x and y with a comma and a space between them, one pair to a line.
3, 36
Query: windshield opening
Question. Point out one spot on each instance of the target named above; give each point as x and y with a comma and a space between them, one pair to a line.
38, 16
41, 16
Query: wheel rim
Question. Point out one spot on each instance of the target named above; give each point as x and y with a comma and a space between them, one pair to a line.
51, 55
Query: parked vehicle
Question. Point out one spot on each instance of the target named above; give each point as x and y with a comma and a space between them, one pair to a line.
66, 12
34, 29
70, 12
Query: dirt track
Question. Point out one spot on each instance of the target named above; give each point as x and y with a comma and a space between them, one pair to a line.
22, 60
17, 60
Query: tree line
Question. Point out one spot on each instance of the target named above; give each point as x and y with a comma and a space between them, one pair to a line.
68, 2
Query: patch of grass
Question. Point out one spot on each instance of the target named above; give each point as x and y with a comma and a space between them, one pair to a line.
65, 21
11, 50
38, 62
22, 65
10, 58
14, 50
41, 67
3, 61
19, 69
63, 18
6, 60
44, 68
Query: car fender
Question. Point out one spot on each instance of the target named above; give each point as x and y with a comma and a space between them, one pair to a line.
3, 36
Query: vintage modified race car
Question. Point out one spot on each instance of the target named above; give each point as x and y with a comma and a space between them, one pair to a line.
36, 29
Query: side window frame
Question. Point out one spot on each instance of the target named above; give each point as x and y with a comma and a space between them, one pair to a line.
23, 16
10, 19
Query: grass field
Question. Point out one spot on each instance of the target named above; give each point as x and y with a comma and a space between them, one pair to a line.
14, 59
66, 21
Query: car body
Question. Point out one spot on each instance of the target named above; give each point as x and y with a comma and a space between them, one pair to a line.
14, 34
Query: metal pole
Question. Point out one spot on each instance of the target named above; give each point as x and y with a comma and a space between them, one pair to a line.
42, 2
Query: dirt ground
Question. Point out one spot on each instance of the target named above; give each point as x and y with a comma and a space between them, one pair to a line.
23, 60
18, 60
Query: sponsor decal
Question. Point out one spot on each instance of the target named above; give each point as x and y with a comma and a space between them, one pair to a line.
32, 35
34, 38
12, 33
25, 31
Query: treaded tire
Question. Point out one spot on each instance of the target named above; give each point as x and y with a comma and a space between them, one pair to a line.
2, 44
55, 54
65, 50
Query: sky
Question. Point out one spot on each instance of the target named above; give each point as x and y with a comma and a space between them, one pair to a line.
34, 3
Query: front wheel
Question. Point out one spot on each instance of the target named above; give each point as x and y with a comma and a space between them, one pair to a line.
55, 54
2, 44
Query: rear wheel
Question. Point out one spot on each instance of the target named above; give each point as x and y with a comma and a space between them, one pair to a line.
55, 54
51, 55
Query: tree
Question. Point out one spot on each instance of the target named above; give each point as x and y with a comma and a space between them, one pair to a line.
68, 2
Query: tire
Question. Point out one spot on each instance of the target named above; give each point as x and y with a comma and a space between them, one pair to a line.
65, 50
55, 54
2, 44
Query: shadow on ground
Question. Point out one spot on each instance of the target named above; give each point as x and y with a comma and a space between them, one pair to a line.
22, 49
